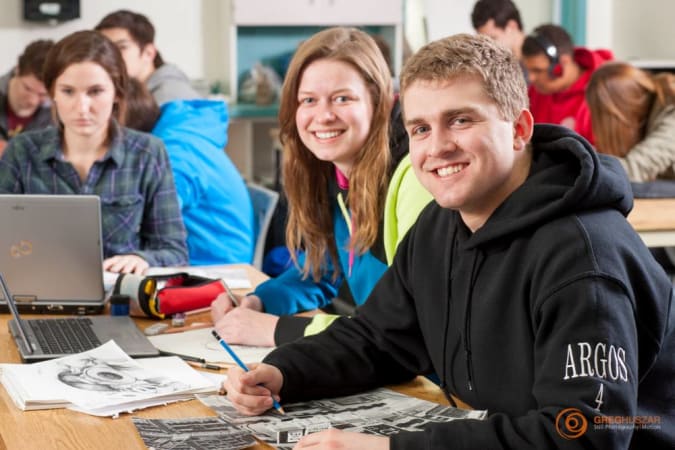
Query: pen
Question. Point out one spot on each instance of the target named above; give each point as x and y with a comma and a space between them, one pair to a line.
241, 364
184, 357
234, 300
204, 365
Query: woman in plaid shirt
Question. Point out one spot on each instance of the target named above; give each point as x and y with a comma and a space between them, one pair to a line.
90, 152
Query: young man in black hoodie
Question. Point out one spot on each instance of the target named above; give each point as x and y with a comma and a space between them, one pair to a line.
523, 286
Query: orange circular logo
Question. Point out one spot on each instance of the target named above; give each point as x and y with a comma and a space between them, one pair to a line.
570, 423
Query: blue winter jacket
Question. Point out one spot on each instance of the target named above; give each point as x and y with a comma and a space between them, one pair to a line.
289, 293
216, 207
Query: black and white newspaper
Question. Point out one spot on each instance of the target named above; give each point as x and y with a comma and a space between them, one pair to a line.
382, 412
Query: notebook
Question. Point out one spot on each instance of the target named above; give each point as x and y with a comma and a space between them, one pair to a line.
51, 252
42, 339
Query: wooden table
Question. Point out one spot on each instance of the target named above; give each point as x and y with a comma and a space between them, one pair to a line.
654, 220
64, 429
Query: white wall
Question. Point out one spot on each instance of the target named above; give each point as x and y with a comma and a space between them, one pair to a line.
600, 24
194, 33
535, 12
178, 28
632, 29
644, 29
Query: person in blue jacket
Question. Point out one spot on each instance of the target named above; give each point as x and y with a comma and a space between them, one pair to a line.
212, 195
351, 193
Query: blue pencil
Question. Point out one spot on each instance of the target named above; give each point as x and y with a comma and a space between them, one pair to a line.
241, 364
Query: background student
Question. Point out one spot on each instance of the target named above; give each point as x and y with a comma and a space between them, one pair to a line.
91, 153
633, 116
531, 309
558, 74
346, 209
212, 195
134, 35
500, 20
23, 96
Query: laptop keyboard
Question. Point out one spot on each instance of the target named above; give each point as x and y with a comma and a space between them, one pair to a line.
72, 335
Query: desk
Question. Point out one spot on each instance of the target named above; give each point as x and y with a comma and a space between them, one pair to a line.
654, 220
64, 429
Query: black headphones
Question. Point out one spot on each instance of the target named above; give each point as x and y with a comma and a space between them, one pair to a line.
550, 50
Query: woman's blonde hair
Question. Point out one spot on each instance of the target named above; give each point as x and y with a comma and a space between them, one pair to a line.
306, 178
620, 98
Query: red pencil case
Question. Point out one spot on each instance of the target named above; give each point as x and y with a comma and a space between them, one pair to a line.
159, 296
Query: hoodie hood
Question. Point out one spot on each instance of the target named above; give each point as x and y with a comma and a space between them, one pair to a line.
201, 119
585, 180
591, 59
588, 60
166, 72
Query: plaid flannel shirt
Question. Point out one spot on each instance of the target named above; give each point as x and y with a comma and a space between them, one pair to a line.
139, 208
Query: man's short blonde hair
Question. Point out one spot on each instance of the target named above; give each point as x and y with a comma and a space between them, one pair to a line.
475, 56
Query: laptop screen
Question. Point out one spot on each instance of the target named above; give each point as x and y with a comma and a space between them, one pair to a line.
51, 251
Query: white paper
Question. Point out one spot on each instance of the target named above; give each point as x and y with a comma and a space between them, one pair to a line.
234, 278
201, 344
102, 381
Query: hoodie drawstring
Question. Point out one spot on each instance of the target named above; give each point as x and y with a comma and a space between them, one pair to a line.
467, 317
446, 322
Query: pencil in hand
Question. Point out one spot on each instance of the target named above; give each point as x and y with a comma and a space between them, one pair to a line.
243, 366
230, 294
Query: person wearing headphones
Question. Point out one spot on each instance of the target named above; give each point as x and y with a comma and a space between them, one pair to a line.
558, 74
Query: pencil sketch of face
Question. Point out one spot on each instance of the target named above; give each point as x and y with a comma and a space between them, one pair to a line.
92, 374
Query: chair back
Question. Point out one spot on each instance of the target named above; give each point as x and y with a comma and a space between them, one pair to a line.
264, 202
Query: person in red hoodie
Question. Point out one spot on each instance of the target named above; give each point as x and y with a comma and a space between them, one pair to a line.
558, 74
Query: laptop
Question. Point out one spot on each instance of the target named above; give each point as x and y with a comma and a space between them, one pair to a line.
51, 253
42, 339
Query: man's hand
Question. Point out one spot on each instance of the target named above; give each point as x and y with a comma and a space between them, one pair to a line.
251, 392
344, 440
126, 264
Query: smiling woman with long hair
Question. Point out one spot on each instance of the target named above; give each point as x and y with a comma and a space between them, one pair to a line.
351, 193
90, 152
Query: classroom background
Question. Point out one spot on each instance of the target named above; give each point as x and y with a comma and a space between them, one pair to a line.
204, 39
195, 34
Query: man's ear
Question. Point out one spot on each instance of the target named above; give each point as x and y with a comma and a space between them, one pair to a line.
512, 25
523, 127
149, 51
